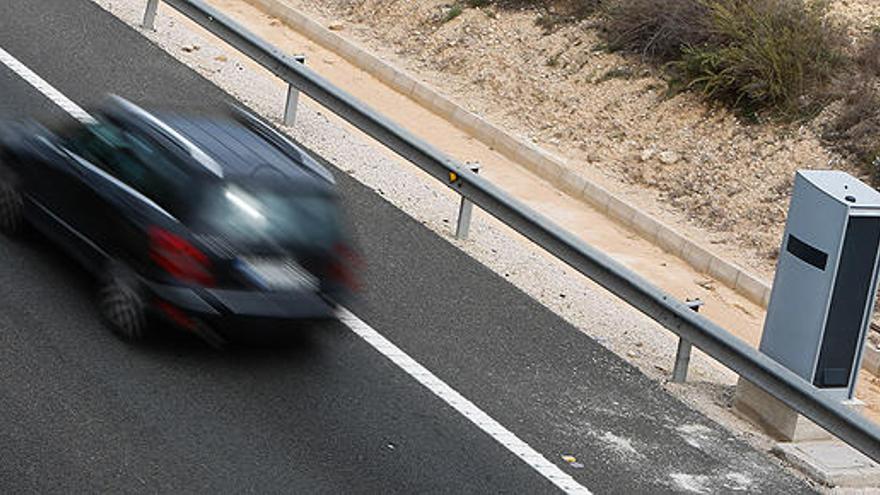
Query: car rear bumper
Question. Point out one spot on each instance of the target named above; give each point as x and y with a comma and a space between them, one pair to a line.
235, 311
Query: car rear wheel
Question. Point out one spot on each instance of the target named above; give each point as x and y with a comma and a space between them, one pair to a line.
11, 202
121, 304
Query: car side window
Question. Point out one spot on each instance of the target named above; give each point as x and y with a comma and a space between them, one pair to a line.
95, 143
163, 178
135, 160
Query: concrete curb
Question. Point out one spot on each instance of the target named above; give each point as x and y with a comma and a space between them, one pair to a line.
543, 164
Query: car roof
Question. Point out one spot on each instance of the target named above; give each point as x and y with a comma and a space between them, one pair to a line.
238, 150
232, 145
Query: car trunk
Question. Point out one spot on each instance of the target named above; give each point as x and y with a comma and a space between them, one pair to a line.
270, 238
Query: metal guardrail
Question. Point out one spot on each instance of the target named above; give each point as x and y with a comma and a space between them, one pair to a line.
617, 279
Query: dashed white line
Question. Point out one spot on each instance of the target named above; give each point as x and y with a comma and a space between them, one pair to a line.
438, 387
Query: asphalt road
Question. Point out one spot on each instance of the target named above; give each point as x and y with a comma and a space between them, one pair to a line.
81, 411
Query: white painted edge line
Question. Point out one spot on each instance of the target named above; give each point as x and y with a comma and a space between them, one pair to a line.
461, 404
42, 86
384, 346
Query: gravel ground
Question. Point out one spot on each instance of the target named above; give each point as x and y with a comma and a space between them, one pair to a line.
579, 301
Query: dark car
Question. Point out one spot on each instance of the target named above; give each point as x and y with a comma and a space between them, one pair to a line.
214, 222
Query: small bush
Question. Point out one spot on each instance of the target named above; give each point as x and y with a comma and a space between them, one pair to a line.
657, 33
765, 54
868, 56
754, 55
855, 131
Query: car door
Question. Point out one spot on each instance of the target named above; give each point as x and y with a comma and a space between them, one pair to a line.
58, 189
82, 195
130, 184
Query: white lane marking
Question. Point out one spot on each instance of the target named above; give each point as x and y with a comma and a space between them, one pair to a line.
461, 404
43, 87
385, 347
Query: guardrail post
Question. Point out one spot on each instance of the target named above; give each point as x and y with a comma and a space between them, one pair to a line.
150, 14
290, 105
292, 101
465, 209
683, 354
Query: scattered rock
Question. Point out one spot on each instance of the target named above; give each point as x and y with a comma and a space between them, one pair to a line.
669, 157
647, 154
707, 284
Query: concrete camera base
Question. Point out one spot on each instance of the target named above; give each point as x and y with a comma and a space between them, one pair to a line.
805, 445
773, 416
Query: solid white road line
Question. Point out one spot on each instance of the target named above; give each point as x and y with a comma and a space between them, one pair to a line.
461, 404
43, 87
385, 347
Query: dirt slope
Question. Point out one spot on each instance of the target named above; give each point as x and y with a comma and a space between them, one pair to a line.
607, 114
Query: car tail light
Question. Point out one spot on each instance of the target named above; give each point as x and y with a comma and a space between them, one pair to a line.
179, 258
344, 267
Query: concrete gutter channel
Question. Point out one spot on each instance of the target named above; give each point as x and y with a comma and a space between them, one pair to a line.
541, 163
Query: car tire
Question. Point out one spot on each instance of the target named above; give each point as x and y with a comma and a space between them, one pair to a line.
121, 303
11, 202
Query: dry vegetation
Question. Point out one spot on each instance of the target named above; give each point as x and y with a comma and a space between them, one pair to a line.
856, 130
708, 104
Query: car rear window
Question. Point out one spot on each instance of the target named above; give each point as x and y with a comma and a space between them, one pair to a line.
258, 215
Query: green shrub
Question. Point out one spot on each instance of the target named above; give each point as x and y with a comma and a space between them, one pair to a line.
776, 55
754, 55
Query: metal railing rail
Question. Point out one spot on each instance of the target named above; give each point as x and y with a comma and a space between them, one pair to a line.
617, 279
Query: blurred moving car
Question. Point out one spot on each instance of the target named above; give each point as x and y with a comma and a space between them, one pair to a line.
215, 223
